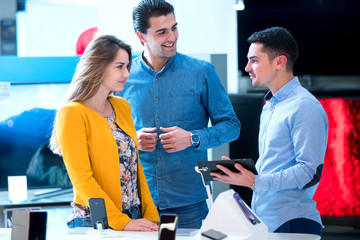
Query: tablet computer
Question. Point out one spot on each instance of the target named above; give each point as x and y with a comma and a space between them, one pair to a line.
206, 167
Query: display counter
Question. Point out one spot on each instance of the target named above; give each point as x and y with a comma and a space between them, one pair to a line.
53, 234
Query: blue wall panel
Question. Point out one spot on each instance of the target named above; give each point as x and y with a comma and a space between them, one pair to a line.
37, 69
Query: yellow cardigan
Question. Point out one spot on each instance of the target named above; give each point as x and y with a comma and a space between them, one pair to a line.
91, 157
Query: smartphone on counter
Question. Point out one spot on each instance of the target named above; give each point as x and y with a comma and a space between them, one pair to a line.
213, 234
168, 226
98, 212
251, 217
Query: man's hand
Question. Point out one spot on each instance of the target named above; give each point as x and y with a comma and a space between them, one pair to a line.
147, 139
175, 139
141, 225
243, 178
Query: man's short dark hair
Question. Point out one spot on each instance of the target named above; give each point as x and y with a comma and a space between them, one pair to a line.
277, 41
147, 9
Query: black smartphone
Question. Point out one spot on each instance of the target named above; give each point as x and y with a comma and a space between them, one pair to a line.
98, 212
168, 226
254, 220
214, 235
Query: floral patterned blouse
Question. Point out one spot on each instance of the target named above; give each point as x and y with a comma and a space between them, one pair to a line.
128, 171
128, 164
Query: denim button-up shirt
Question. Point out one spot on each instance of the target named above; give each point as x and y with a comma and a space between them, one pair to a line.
186, 93
292, 145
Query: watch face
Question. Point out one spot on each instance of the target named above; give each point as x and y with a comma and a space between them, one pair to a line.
195, 138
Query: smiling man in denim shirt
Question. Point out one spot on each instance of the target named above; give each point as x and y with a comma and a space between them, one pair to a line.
292, 139
173, 96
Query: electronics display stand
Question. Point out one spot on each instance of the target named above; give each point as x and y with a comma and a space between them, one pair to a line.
226, 216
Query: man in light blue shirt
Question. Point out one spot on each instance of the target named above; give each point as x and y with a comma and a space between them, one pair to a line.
172, 97
292, 139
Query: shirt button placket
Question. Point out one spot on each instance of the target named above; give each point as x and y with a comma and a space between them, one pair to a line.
157, 124
157, 102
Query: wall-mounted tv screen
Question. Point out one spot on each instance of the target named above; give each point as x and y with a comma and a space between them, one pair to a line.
26, 121
338, 193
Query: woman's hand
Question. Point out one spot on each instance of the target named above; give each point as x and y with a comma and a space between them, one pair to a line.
141, 225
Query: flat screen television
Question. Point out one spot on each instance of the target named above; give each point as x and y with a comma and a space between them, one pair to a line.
324, 30
338, 193
26, 122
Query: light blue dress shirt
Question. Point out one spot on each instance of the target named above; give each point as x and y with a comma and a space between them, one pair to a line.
186, 93
292, 144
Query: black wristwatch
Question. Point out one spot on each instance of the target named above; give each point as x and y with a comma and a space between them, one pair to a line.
195, 139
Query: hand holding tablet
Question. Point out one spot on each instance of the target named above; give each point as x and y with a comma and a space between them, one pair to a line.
206, 167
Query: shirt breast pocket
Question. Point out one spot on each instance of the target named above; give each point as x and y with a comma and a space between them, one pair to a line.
182, 106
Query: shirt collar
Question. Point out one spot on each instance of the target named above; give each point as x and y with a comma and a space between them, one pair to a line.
284, 91
168, 64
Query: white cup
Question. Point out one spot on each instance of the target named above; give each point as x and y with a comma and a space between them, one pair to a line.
17, 188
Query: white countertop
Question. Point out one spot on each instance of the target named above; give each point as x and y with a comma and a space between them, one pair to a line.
54, 234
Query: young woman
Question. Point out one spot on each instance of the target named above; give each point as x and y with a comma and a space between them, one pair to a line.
95, 134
